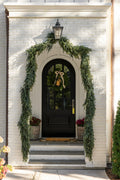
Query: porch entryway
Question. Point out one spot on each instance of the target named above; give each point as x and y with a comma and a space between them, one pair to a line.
58, 99
58, 146
57, 155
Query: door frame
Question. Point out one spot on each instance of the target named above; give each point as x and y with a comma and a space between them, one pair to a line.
36, 94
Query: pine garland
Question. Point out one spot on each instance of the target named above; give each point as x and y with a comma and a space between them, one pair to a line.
116, 144
31, 67
23, 124
89, 106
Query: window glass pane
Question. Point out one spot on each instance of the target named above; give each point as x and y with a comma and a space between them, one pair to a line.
50, 98
58, 67
66, 69
51, 69
67, 99
59, 98
50, 76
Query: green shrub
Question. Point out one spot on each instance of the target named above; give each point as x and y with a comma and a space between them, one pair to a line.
116, 144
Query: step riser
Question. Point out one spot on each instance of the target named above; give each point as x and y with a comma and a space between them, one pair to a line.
56, 167
57, 157
56, 153
50, 155
56, 148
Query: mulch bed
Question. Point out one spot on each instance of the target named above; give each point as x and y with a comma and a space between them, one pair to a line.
110, 175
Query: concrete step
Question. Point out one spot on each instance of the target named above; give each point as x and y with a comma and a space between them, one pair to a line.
58, 162
54, 146
60, 155
57, 165
57, 157
71, 143
56, 152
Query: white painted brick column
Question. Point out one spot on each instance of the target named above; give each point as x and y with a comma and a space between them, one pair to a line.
2, 71
117, 53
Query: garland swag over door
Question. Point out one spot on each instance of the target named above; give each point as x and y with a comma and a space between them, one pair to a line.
31, 67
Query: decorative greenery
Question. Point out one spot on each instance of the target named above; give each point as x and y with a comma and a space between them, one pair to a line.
116, 144
73, 51
58, 83
89, 105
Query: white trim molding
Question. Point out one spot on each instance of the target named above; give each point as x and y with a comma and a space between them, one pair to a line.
18, 10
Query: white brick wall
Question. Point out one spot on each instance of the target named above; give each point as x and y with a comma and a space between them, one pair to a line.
27, 32
2, 70
117, 54
24, 33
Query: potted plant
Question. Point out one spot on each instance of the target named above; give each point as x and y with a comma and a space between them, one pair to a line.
4, 168
34, 128
80, 128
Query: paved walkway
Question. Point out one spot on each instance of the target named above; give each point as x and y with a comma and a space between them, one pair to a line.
20, 174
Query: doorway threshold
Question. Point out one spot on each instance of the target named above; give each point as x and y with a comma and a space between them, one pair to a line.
58, 139
45, 141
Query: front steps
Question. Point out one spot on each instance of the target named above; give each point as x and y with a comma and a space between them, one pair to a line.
57, 155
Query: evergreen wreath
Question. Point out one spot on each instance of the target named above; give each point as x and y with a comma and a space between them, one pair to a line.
31, 67
58, 80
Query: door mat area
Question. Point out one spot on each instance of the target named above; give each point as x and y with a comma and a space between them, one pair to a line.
59, 139
56, 141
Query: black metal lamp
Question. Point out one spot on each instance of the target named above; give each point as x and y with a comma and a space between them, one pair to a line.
57, 29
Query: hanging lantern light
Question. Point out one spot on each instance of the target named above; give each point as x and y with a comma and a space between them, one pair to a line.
57, 29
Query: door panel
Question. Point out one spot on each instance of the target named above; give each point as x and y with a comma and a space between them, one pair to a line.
58, 95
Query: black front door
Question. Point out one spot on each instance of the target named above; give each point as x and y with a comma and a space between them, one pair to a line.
58, 99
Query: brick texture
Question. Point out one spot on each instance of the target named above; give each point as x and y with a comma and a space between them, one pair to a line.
117, 54
2, 71
24, 33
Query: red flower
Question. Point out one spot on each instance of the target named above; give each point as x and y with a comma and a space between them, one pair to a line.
35, 121
80, 122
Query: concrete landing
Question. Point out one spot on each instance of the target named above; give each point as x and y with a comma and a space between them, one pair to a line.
20, 174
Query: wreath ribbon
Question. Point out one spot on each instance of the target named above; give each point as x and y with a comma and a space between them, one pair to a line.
61, 75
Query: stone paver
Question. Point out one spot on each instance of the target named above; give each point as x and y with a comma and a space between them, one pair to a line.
57, 175
47, 175
82, 174
20, 174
